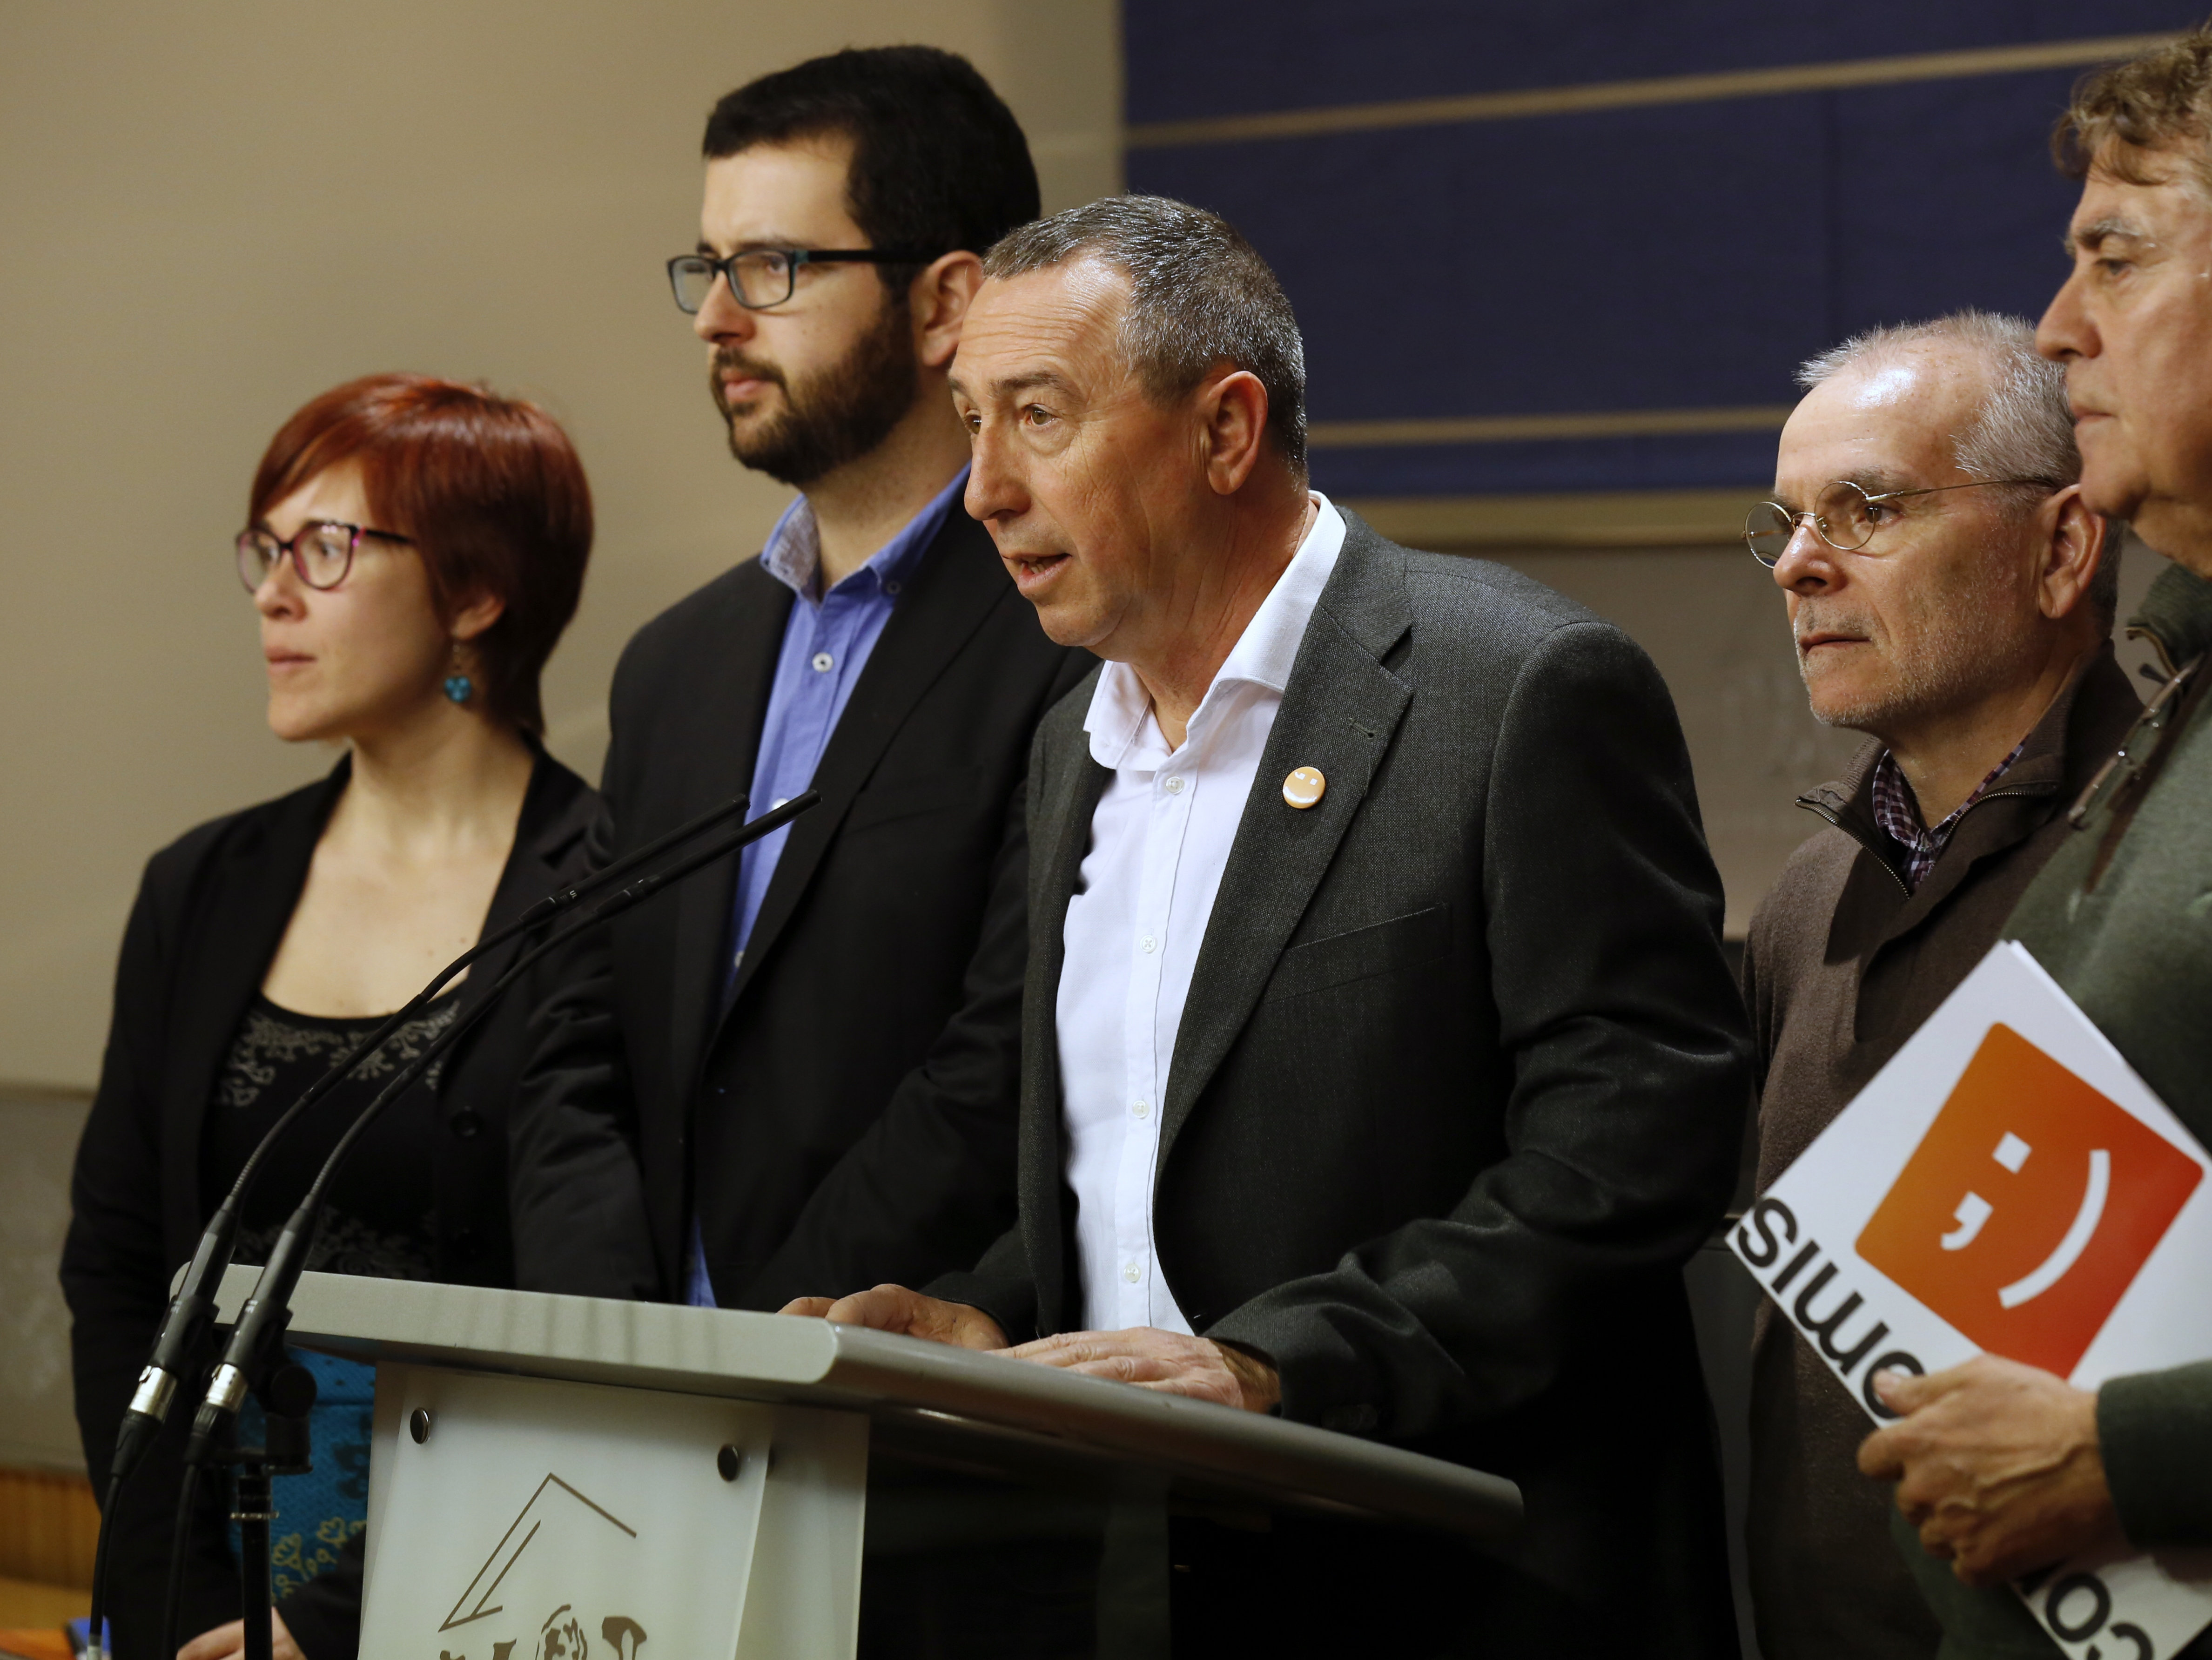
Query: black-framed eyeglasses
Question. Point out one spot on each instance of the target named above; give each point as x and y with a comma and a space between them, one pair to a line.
1843, 516
761, 277
321, 551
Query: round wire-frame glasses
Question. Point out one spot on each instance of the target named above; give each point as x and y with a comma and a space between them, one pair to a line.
321, 552
762, 277
1843, 516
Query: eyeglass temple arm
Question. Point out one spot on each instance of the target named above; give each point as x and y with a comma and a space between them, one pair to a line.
1937, 490
872, 256
810, 256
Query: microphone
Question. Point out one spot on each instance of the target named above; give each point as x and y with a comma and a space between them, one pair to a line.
263, 1318
191, 1309
192, 1306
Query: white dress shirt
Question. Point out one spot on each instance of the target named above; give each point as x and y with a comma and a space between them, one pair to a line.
1158, 842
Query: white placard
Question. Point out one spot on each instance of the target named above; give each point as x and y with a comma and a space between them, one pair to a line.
2008, 1184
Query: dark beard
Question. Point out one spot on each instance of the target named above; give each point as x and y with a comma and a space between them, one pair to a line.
834, 416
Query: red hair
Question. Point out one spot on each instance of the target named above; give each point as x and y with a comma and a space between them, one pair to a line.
488, 488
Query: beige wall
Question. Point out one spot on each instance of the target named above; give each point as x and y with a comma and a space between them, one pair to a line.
214, 212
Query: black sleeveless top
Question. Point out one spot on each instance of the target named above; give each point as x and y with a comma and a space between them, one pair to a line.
379, 1219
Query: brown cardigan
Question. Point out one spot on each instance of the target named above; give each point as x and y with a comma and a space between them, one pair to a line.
1841, 967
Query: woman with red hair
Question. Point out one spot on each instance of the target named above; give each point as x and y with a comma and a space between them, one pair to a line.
414, 549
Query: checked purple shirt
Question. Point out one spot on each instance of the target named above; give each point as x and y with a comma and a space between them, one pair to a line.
1898, 814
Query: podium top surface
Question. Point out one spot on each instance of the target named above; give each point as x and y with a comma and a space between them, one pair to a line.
914, 1391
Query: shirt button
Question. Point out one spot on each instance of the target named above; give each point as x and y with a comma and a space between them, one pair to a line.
1149, 943
1132, 1273
1175, 787
823, 662
1142, 1109
892, 587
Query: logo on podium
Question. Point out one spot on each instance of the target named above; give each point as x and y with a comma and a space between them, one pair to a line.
562, 1637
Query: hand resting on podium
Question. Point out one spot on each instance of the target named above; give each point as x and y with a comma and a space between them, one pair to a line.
1171, 1362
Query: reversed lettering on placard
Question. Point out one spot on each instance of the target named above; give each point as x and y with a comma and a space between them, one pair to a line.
2006, 1185
1768, 1227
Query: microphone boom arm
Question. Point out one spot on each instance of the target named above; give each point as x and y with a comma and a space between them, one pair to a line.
191, 1309
264, 1314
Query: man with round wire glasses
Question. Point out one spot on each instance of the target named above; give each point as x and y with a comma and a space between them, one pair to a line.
1950, 596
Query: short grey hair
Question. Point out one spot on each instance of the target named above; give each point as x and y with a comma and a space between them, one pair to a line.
1200, 296
2024, 429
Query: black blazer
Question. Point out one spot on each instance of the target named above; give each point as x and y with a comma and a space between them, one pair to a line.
1459, 1086
846, 1115
210, 913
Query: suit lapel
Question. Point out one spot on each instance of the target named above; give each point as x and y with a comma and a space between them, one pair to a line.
556, 811
716, 755
1339, 713
239, 921
958, 582
1072, 789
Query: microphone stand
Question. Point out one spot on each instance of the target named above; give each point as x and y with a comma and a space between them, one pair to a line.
258, 1333
192, 1307
286, 1399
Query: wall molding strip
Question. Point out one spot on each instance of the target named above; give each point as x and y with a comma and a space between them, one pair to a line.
27, 1091
1510, 429
1591, 520
1627, 95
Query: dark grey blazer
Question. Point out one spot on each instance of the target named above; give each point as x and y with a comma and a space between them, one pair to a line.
1459, 1085
844, 1115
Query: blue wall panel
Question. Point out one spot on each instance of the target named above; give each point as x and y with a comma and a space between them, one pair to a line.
1235, 57
1666, 256
1537, 266
1692, 461
1945, 196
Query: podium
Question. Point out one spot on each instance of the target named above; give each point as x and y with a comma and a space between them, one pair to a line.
568, 1478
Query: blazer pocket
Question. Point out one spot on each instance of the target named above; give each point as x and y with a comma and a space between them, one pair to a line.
894, 799
1403, 942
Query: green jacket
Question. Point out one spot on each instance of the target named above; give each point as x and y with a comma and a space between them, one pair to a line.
2122, 918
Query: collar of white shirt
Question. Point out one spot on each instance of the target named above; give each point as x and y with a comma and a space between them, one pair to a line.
1123, 732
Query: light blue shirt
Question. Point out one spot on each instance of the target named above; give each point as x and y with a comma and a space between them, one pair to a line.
827, 641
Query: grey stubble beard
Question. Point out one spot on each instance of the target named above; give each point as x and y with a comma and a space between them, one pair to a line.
1959, 649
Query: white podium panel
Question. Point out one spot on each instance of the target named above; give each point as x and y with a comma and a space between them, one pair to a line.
516, 1518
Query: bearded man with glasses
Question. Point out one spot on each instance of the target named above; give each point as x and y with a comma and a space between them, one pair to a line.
804, 1068
1951, 596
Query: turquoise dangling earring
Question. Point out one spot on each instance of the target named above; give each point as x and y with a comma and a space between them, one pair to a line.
458, 686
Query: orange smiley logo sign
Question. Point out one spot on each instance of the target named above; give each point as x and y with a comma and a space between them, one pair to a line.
2029, 1207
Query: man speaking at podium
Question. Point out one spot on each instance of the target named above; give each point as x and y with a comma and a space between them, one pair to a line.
1380, 1066
813, 1050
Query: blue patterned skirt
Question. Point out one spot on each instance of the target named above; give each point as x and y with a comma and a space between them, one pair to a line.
317, 1512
